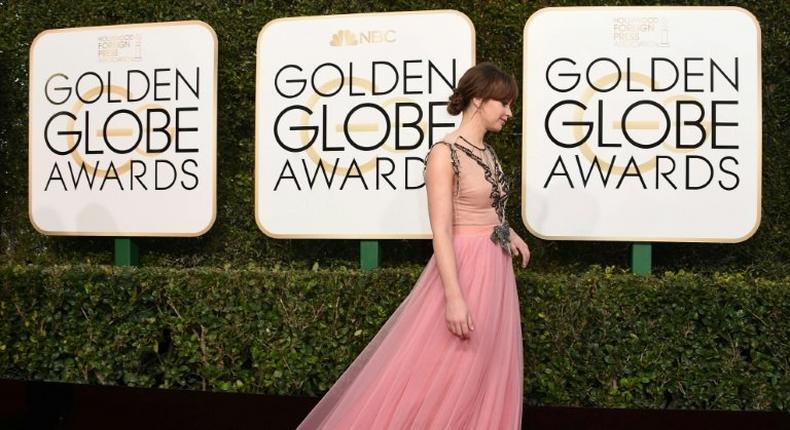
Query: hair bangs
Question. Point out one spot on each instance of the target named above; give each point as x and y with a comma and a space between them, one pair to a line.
503, 88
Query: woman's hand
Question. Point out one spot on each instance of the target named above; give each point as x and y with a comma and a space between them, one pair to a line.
459, 319
519, 247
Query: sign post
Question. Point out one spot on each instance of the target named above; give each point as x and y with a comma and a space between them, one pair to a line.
641, 258
369, 254
126, 252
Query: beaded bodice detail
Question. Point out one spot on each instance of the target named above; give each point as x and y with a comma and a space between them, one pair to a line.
481, 190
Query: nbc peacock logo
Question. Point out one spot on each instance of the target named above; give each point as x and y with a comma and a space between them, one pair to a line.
344, 38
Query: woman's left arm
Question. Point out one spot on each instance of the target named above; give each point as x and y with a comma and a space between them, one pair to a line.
519, 247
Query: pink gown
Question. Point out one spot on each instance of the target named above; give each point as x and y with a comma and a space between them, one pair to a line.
415, 373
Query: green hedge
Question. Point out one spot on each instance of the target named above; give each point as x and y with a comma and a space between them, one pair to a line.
600, 338
235, 238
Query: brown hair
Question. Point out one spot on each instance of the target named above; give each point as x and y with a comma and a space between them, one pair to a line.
486, 81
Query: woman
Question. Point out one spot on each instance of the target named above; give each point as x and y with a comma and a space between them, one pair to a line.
465, 370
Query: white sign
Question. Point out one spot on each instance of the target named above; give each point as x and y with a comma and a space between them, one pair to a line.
642, 124
346, 108
122, 135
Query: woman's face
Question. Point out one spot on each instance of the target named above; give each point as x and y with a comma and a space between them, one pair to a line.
494, 114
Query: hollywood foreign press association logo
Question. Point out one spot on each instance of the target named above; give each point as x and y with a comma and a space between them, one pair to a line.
120, 48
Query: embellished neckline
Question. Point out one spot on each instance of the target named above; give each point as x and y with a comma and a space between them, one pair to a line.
473, 145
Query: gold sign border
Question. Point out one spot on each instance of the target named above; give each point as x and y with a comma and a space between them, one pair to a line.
213, 140
259, 62
758, 141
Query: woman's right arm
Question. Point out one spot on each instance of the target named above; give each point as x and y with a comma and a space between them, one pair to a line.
439, 177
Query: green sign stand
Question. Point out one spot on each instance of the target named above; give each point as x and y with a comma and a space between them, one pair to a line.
641, 258
126, 253
369, 252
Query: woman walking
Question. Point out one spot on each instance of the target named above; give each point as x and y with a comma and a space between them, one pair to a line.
450, 356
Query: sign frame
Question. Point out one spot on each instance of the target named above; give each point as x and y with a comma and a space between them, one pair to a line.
213, 142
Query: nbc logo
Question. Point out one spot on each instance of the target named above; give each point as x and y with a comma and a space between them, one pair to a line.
348, 38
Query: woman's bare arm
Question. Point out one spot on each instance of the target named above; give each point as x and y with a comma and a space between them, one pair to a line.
439, 179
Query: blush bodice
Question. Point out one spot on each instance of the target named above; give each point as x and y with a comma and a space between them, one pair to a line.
472, 203
480, 189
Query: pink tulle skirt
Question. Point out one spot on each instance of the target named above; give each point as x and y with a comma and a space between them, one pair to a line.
416, 374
